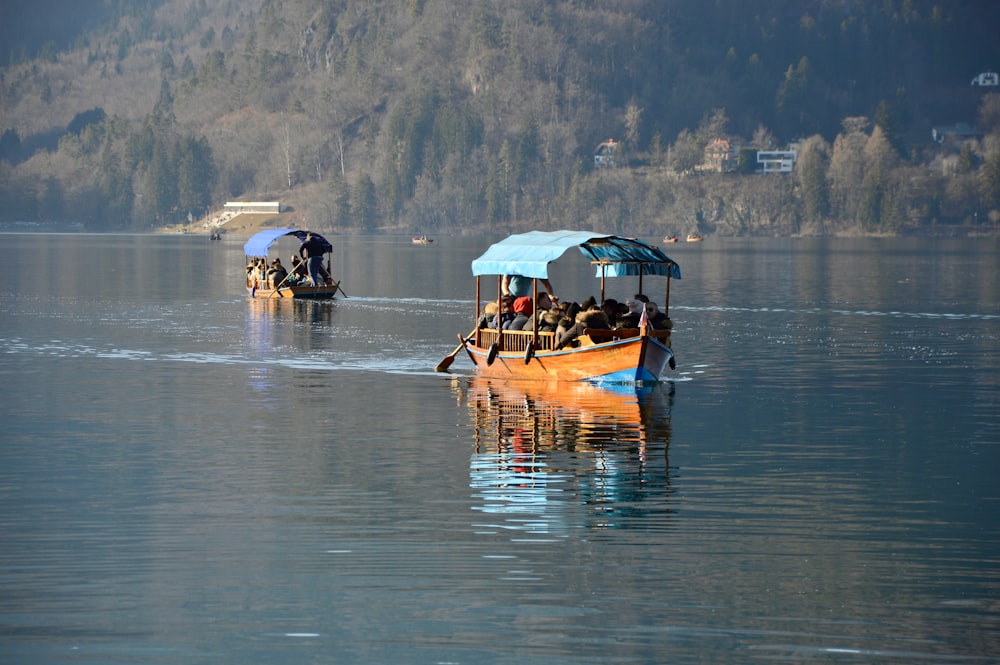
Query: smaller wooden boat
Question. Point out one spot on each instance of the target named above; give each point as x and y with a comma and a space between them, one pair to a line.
694, 237
272, 280
421, 240
670, 239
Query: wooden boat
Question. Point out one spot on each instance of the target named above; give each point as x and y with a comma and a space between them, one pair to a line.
617, 356
694, 237
670, 239
260, 285
421, 240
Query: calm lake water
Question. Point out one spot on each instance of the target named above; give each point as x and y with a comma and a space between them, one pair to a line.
187, 476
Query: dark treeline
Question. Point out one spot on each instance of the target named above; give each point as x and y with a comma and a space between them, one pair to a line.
434, 115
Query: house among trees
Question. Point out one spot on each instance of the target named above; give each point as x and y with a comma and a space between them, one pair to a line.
606, 154
777, 161
956, 134
987, 79
266, 207
720, 157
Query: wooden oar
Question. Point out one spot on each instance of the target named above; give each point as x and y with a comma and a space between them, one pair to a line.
450, 358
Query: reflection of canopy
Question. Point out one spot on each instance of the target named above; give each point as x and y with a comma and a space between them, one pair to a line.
258, 243
529, 255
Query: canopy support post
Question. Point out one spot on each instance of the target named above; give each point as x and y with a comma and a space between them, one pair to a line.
666, 299
534, 311
475, 314
604, 267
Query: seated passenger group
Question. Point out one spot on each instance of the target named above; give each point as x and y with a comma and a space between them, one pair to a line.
278, 276
569, 321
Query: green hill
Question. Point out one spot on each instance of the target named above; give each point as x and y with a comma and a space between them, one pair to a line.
442, 116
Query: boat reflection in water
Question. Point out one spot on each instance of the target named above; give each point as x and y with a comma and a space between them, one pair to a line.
285, 332
553, 457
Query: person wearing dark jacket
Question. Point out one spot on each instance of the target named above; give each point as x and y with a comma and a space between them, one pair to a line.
522, 313
588, 318
657, 319
312, 249
277, 273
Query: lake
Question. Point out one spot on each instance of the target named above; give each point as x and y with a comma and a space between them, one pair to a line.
189, 476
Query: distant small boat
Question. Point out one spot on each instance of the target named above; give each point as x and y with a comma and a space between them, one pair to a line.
421, 240
215, 235
669, 238
694, 237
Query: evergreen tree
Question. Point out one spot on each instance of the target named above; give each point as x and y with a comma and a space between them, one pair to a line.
161, 183
195, 176
363, 203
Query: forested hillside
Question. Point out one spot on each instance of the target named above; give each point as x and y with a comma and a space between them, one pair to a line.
451, 115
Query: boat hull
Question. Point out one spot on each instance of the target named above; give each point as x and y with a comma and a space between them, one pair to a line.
631, 360
308, 292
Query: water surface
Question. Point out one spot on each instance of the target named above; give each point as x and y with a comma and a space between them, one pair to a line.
188, 476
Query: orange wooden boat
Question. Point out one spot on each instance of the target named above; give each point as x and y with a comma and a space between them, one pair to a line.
598, 355
421, 240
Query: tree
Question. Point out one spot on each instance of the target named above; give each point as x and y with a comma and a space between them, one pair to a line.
633, 115
340, 201
161, 182
10, 146
811, 172
846, 172
363, 203
195, 175
989, 113
879, 207
686, 153
989, 181
794, 97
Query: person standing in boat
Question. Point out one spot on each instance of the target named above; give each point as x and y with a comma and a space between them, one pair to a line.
521, 287
312, 251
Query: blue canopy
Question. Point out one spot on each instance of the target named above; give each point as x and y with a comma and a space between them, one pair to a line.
529, 255
258, 243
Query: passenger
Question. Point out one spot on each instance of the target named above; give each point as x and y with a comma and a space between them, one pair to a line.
506, 313
548, 320
311, 249
620, 313
261, 268
277, 273
657, 319
299, 273
587, 318
636, 305
523, 311
488, 314
548, 314
610, 308
518, 286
